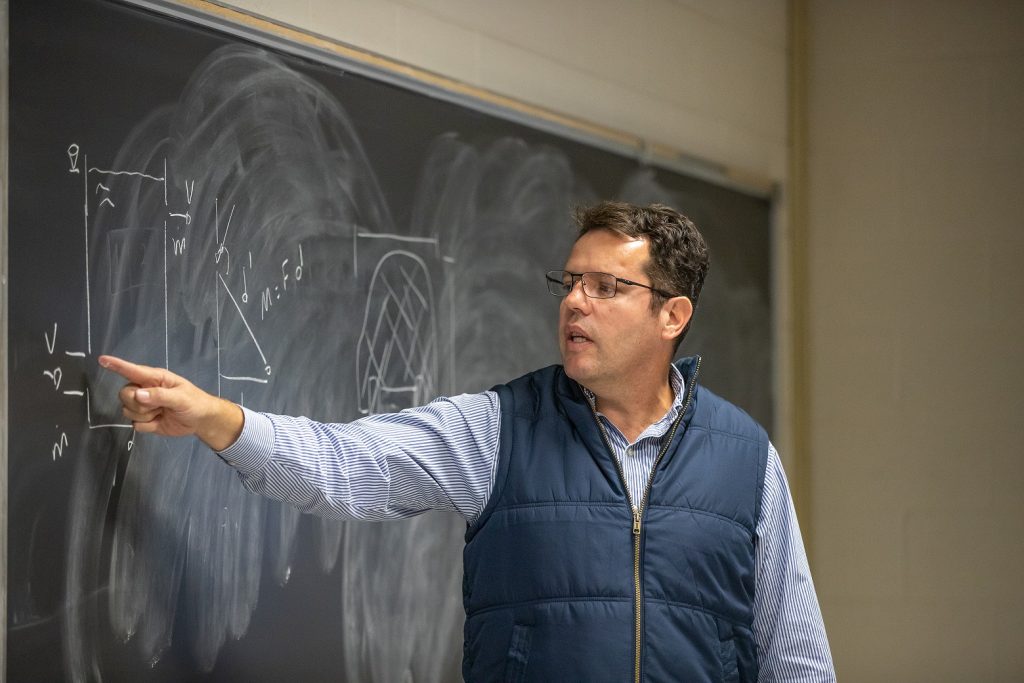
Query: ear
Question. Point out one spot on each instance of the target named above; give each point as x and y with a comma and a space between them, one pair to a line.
675, 314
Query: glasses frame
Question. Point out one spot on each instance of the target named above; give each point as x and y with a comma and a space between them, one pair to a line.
578, 277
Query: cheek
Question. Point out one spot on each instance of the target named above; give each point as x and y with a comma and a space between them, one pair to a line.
644, 330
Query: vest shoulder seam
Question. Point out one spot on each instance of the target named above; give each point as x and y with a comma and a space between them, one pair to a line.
722, 432
529, 414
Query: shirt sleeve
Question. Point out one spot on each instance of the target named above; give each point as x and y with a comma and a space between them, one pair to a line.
788, 627
440, 456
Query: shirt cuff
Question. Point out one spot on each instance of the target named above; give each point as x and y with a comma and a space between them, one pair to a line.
252, 449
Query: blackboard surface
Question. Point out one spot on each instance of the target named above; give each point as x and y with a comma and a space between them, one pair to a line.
302, 240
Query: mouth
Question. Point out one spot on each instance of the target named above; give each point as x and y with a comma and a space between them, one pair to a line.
575, 336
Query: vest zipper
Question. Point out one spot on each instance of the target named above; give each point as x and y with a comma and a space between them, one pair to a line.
638, 512
637, 522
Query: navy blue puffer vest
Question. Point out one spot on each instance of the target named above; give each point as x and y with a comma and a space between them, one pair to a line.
555, 563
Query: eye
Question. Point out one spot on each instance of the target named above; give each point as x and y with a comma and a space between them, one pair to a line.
606, 287
559, 283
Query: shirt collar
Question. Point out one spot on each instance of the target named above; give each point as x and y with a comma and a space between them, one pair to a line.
675, 380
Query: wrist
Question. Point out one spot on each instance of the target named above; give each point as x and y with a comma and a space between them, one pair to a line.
223, 427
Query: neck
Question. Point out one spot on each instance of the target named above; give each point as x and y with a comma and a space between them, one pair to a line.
635, 408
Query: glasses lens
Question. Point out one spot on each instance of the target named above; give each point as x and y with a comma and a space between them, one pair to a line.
559, 282
599, 285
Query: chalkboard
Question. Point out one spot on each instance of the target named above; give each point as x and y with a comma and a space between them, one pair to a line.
300, 238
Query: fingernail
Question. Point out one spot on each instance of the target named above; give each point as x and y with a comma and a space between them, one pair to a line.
142, 395
104, 363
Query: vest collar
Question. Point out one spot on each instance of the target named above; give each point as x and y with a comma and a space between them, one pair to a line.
582, 415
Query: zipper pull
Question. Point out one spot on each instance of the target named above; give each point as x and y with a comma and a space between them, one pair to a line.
636, 522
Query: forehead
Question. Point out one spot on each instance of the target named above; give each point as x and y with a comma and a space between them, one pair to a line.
608, 252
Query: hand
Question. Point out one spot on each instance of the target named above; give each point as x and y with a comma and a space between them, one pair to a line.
159, 402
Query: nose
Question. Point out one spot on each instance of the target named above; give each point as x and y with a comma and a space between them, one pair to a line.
576, 297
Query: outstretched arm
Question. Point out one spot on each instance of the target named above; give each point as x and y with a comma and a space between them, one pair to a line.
159, 402
438, 456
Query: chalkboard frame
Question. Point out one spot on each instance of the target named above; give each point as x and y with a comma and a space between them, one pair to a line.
4, 289
333, 53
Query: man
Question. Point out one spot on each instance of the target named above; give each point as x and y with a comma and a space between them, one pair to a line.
624, 523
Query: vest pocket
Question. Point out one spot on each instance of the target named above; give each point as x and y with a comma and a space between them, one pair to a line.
518, 654
730, 667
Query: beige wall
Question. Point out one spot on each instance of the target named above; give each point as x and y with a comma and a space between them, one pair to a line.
916, 247
707, 77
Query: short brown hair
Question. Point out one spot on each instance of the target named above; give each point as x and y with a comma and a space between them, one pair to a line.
679, 259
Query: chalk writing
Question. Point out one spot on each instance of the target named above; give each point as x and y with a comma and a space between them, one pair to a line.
59, 445
73, 158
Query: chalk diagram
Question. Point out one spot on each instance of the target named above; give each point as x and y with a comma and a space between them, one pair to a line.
127, 269
396, 367
396, 362
248, 270
134, 256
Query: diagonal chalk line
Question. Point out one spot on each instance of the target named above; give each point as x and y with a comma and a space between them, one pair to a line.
244, 321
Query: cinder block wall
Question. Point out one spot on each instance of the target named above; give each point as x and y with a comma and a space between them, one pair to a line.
916, 229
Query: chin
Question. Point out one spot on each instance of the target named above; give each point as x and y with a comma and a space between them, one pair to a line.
575, 370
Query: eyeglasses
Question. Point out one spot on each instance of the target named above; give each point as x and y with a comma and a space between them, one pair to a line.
595, 285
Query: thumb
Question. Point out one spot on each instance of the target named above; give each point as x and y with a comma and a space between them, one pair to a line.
161, 397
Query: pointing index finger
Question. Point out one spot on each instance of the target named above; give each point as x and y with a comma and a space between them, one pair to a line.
143, 375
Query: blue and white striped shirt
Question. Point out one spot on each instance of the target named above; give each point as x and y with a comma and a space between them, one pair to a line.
444, 456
